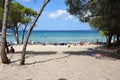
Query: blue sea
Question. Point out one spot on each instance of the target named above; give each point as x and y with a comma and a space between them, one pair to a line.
61, 36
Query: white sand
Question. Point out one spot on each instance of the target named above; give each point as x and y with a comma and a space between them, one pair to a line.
55, 63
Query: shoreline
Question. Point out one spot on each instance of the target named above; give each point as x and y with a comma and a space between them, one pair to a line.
60, 36
59, 43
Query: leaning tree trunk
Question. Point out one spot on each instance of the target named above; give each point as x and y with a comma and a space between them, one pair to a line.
29, 32
4, 57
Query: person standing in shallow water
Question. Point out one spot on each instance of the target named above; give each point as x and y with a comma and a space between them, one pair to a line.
12, 50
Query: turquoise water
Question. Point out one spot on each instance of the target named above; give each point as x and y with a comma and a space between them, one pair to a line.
61, 36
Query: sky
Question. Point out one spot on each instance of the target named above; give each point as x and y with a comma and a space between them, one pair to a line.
55, 16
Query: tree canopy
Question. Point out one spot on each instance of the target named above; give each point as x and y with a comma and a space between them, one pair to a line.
17, 15
103, 15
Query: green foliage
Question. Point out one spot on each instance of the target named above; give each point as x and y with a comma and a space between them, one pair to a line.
74, 8
1, 13
1, 3
15, 12
104, 15
28, 14
103, 33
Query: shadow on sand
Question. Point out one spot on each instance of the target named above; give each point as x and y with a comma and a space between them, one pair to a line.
32, 53
89, 52
62, 79
37, 53
48, 60
92, 52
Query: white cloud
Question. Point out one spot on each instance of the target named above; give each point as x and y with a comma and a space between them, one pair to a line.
57, 14
61, 14
69, 17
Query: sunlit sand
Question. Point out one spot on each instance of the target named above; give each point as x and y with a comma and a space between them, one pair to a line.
59, 63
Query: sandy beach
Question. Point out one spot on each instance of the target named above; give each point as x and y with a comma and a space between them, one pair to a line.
59, 63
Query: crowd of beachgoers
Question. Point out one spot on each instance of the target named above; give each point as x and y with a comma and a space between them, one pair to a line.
59, 43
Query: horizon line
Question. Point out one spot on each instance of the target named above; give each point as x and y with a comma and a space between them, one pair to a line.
61, 30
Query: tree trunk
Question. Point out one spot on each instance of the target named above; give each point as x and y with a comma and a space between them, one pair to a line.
118, 39
16, 34
23, 34
4, 57
6, 46
29, 32
109, 40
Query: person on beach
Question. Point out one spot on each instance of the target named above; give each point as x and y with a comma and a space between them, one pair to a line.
12, 50
69, 46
